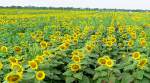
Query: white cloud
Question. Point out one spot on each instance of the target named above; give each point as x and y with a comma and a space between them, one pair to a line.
121, 4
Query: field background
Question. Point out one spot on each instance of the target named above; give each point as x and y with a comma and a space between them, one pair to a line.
29, 33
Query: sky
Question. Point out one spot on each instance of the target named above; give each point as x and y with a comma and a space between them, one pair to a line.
118, 4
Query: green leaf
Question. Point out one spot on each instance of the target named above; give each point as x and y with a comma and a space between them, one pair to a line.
102, 80
116, 71
28, 76
55, 77
103, 73
147, 69
2, 54
130, 67
69, 79
101, 68
68, 73
138, 74
89, 71
137, 81
145, 80
44, 66
37, 81
99, 80
112, 79
84, 80
147, 75
96, 75
126, 78
78, 75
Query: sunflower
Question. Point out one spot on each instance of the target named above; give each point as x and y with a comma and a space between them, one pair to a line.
75, 52
109, 43
142, 62
113, 39
39, 59
49, 43
104, 40
17, 49
76, 58
13, 60
4, 49
109, 63
13, 77
33, 36
75, 67
21, 35
46, 52
67, 44
81, 55
40, 75
62, 47
102, 61
111, 29
75, 40
17, 67
93, 37
43, 44
130, 43
33, 64
136, 55
133, 35
89, 48
40, 39
39, 33
142, 42
1, 65
121, 30
143, 33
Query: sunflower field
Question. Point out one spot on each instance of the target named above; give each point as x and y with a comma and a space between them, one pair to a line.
74, 46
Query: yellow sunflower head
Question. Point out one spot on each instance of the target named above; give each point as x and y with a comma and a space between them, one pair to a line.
89, 48
13, 60
4, 49
93, 37
136, 55
130, 43
13, 77
33, 36
109, 63
33, 64
62, 47
67, 44
40, 75
39, 59
133, 35
109, 43
75, 52
75, 67
17, 67
142, 62
75, 40
143, 33
47, 52
76, 58
143, 42
43, 44
17, 49
81, 55
102, 61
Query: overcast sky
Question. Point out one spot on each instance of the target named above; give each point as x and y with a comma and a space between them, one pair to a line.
120, 4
